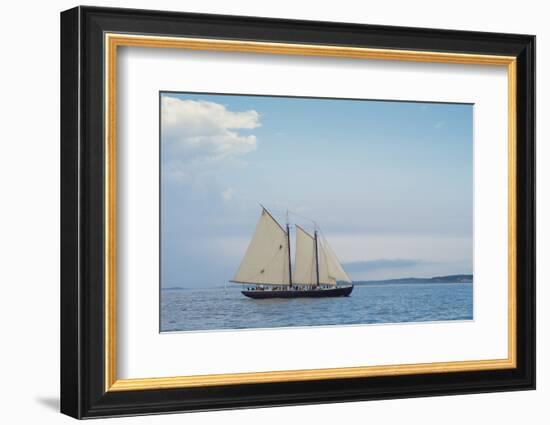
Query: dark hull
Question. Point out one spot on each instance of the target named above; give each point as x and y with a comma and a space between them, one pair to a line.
309, 293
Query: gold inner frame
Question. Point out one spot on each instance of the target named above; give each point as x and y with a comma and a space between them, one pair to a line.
113, 41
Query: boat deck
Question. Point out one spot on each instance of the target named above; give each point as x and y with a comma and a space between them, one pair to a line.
343, 291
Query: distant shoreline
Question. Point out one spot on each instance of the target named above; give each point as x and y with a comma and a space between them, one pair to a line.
456, 278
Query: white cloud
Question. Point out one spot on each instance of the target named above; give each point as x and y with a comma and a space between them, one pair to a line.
440, 124
200, 130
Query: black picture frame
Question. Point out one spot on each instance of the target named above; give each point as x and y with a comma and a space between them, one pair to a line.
83, 392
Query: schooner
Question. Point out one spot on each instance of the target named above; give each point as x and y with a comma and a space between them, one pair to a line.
267, 268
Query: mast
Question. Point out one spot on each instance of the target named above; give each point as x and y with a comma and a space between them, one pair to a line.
316, 258
288, 242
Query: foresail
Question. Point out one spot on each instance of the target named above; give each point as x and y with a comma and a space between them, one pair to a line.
304, 266
330, 269
266, 259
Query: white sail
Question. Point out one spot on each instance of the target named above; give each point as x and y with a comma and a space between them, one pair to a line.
266, 259
305, 272
330, 269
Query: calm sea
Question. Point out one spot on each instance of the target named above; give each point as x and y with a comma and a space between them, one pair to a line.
219, 308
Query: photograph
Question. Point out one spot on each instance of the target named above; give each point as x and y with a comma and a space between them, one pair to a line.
301, 208
279, 211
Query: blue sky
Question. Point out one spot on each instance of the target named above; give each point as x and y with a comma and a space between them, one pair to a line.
390, 183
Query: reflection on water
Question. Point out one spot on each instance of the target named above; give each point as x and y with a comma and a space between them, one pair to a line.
219, 308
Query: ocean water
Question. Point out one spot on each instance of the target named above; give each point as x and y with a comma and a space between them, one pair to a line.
219, 308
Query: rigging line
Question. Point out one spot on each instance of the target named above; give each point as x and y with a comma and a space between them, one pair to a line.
284, 212
315, 225
304, 217
321, 233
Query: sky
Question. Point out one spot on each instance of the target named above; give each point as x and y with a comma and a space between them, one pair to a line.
389, 183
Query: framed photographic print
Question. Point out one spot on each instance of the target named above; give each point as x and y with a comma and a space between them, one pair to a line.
261, 212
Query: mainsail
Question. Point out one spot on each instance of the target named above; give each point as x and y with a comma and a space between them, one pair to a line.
305, 272
330, 269
266, 259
